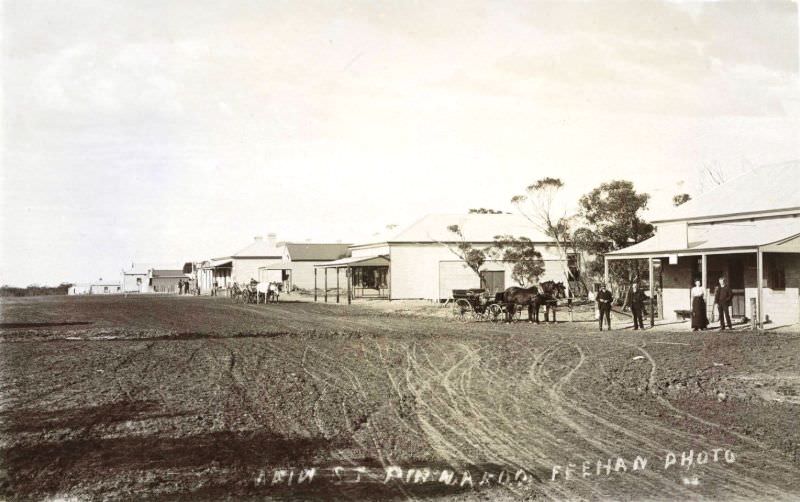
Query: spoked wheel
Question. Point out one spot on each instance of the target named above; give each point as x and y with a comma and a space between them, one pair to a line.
494, 312
460, 309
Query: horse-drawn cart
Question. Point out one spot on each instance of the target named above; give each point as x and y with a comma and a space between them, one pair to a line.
478, 305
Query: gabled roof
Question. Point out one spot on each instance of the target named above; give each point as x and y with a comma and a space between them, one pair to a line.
475, 228
316, 252
763, 189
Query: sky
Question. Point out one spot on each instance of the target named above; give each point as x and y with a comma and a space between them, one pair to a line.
173, 131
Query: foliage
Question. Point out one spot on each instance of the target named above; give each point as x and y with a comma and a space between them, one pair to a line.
611, 213
681, 198
528, 262
483, 210
35, 290
539, 206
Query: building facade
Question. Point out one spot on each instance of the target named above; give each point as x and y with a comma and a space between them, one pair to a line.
747, 231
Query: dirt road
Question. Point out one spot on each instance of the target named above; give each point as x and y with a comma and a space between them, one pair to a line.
200, 398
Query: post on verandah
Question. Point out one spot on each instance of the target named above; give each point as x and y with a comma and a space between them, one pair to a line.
349, 285
760, 282
337, 284
652, 281
704, 275
315, 283
326, 284
605, 272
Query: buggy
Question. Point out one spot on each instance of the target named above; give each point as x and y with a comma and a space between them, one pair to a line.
479, 305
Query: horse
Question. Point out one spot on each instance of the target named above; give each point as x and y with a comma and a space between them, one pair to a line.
551, 292
514, 296
549, 295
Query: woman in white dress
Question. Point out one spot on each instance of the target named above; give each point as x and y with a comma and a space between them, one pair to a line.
699, 316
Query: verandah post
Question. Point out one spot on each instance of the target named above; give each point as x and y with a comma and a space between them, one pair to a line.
315, 283
652, 281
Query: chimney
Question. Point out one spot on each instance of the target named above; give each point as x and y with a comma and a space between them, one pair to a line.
258, 238
271, 238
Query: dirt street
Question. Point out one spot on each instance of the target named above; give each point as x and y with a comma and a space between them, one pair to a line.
184, 398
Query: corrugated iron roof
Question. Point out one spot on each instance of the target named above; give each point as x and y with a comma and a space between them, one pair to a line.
316, 252
168, 273
767, 188
362, 261
718, 236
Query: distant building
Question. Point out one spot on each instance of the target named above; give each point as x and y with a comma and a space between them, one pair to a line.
79, 289
241, 266
101, 287
166, 280
296, 268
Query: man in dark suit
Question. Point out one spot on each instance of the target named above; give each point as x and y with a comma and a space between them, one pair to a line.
604, 300
636, 300
723, 297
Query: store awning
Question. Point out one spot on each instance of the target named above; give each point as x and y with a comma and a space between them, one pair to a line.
774, 235
357, 261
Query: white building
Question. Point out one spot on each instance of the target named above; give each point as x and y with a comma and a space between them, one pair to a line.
746, 230
240, 267
297, 266
418, 262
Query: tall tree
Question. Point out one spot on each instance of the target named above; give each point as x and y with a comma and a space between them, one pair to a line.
611, 213
539, 205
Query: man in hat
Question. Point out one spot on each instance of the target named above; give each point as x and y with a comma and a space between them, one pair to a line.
723, 297
636, 301
604, 300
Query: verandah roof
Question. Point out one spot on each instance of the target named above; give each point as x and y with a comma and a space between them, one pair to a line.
359, 261
742, 236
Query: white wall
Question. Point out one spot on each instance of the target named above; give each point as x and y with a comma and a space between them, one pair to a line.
415, 270
245, 269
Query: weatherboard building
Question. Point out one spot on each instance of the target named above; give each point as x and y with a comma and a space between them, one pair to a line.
746, 230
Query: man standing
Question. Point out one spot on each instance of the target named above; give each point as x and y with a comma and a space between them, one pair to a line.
604, 300
636, 300
722, 297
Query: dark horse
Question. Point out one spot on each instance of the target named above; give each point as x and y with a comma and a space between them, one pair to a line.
550, 293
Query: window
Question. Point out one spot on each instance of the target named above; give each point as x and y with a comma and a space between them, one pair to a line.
777, 278
105, 289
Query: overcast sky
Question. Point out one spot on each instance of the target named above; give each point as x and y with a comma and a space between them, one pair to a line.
175, 131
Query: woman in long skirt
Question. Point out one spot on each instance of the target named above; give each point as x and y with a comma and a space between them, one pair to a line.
699, 316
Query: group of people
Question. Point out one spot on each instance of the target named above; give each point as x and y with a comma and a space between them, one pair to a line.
722, 299
636, 299
183, 286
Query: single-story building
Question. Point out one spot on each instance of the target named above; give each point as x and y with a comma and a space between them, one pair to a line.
101, 287
166, 280
296, 268
420, 262
244, 264
79, 289
136, 278
746, 230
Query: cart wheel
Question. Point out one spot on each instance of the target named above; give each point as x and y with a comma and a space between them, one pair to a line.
494, 312
460, 309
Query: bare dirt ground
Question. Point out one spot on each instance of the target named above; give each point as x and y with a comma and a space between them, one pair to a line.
172, 398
